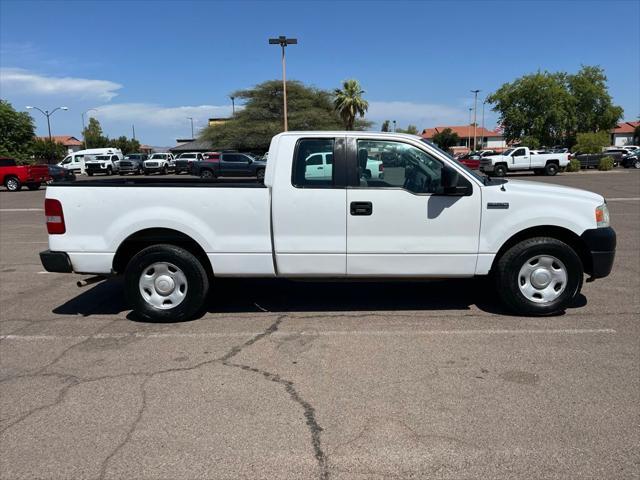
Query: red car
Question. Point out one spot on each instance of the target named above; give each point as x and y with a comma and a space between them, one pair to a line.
467, 161
13, 176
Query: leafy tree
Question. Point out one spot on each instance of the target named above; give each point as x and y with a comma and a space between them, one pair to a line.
261, 118
385, 126
591, 142
411, 129
446, 139
531, 142
349, 103
636, 135
592, 105
93, 136
125, 144
43, 149
16, 131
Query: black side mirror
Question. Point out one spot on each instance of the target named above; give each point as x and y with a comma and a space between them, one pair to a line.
453, 184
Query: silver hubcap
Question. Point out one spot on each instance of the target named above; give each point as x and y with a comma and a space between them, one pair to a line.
163, 285
12, 184
542, 279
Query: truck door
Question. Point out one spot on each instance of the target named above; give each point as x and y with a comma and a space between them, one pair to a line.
309, 211
234, 165
401, 224
520, 160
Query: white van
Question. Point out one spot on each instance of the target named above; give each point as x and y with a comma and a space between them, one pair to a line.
76, 162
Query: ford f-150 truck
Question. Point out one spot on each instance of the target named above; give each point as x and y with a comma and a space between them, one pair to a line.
427, 217
521, 159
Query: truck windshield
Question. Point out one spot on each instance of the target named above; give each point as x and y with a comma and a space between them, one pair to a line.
508, 152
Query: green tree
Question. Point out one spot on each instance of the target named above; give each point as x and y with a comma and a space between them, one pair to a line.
531, 142
41, 149
385, 126
536, 105
125, 144
591, 142
349, 103
446, 139
16, 132
411, 129
593, 107
636, 135
93, 136
261, 118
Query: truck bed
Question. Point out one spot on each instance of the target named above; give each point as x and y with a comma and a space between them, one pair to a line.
161, 181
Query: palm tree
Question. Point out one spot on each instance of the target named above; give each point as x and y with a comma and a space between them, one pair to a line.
348, 102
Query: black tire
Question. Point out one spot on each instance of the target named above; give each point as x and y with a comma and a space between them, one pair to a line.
636, 164
499, 171
146, 172
109, 171
507, 270
260, 175
33, 186
207, 174
12, 184
551, 169
197, 283
138, 171
90, 174
164, 171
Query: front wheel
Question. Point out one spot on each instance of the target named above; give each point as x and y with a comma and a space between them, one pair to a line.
166, 283
13, 184
207, 174
539, 276
260, 175
636, 164
146, 172
164, 171
499, 171
109, 171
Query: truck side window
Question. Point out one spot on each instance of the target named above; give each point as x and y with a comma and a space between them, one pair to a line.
390, 164
309, 170
519, 153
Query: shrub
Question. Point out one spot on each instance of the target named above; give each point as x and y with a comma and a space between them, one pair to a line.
591, 142
606, 163
574, 165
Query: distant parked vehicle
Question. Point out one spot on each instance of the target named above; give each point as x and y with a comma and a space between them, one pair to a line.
632, 160
592, 160
76, 161
60, 174
229, 164
161, 162
185, 161
132, 163
105, 164
522, 159
14, 176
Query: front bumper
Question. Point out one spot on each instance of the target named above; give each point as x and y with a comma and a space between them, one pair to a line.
57, 262
601, 244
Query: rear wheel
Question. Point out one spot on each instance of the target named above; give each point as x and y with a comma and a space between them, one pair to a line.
166, 283
539, 276
551, 169
13, 184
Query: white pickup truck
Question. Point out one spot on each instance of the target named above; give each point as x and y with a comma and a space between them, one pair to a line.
427, 217
521, 158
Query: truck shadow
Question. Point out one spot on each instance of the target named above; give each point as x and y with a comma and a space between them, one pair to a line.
275, 295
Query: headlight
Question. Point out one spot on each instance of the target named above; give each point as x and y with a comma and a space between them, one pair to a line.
602, 215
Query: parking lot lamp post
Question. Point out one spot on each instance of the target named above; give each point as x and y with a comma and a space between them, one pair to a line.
283, 42
191, 118
469, 131
475, 116
48, 114
84, 139
233, 106
482, 145
394, 126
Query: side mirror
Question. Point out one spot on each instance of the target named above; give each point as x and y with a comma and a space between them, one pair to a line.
453, 184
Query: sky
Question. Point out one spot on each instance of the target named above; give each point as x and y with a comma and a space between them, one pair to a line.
152, 64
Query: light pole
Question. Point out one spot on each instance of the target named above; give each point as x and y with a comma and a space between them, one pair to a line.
233, 106
483, 130
283, 42
469, 131
84, 138
191, 118
394, 126
48, 114
475, 111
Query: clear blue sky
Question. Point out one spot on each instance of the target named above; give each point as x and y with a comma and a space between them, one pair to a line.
153, 64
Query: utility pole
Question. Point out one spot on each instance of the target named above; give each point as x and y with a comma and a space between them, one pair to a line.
475, 111
283, 42
394, 126
133, 128
469, 131
233, 106
483, 130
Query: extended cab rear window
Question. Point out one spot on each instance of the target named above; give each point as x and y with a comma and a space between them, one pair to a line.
313, 163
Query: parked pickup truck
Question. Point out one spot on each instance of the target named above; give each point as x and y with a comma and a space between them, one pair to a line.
105, 164
13, 176
231, 164
428, 217
184, 162
520, 159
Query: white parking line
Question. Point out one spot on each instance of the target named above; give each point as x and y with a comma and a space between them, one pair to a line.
623, 199
21, 209
329, 333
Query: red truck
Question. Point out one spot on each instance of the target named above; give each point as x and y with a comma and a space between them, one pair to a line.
13, 176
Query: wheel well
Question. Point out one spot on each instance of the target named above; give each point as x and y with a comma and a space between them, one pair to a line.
553, 161
8, 177
559, 233
154, 236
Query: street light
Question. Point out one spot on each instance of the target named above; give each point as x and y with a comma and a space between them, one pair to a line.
191, 118
283, 42
483, 130
47, 114
469, 131
394, 126
84, 137
475, 111
233, 106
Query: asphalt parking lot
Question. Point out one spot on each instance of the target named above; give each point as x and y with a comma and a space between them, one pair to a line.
319, 380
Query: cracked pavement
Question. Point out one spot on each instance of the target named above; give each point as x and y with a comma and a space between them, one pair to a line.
311, 380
